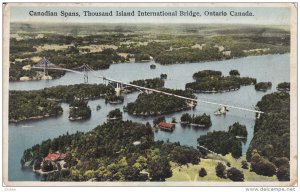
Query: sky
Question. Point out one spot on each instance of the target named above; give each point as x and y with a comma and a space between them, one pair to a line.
262, 15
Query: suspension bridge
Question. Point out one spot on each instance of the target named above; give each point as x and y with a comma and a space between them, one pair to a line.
46, 65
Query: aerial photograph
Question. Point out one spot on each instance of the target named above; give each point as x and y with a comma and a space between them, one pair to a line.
165, 94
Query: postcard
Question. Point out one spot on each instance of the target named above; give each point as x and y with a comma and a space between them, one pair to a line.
150, 94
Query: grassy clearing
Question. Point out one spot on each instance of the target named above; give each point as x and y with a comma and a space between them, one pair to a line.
98, 48
190, 172
35, 59
55, 47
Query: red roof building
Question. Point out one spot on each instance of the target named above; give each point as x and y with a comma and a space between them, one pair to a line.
166, 126
55, 156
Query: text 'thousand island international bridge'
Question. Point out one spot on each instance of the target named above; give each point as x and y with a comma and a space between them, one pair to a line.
46, 65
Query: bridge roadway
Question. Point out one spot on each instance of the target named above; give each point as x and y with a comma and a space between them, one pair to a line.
154, 90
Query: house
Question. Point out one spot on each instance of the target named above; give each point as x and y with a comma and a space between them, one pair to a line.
55, 157
166, 126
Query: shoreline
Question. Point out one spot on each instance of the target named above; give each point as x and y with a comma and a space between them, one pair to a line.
153, 114
234, 58
35, 118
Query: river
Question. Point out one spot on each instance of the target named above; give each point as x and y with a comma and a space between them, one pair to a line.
274, 68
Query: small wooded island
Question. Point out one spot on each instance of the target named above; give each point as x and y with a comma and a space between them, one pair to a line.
263, 86
114, 115
202, 121
209, 81
79, 110
153, 104
284, 86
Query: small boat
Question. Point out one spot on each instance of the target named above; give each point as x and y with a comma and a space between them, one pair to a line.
98, 107
221, 111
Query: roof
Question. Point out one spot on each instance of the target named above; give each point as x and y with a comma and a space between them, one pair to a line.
166, 125
54, 156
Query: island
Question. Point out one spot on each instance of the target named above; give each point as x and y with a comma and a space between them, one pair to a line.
155, 104
284, 86
209, 81
163, 76
31, 105
263, 86
201, 121
122, 151
114, 116
114, 99
79, 110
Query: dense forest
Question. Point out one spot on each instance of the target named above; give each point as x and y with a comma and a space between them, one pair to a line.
223, 142
269, 150
158, 104
25, 105
110, 152
209, 81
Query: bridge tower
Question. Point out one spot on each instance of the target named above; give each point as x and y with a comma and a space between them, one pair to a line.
118, 89
85, 74
45, 67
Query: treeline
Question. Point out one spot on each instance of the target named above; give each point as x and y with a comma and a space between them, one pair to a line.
269, 150
209, 81
25, 105
158, 104
109, 153
223, 142
188, 55
96, 60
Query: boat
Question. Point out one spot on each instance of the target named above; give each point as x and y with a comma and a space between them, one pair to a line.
221, 111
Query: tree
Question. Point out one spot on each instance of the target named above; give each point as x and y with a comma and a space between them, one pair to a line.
245, 164
186, 118
220, 170
47, 166
158, 120
238, 130
262, 166
37, 164
283, 173
202, 172
235, 175
159, 169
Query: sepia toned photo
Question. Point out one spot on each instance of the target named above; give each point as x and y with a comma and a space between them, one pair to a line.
150, 94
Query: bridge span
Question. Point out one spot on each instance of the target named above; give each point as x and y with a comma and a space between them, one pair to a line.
85, 68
